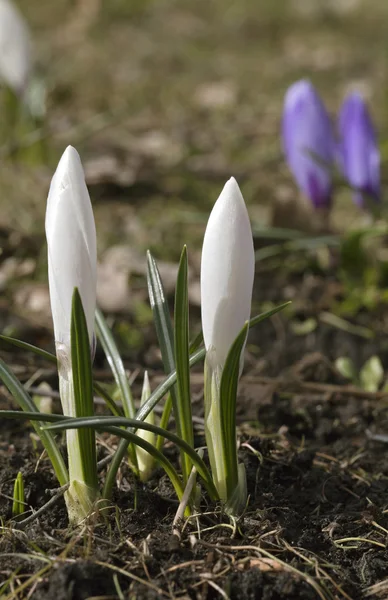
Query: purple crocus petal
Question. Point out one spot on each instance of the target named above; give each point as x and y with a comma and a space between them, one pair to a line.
308, 142
360, 156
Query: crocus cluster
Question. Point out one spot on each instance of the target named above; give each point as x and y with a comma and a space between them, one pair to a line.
227, 273
312, 147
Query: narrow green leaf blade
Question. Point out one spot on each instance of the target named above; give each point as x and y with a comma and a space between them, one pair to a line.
165, 386
106, 423
29, 348
114, 359
110, 403
162, 319
182, 354
18, 496
165, 335
161, 313
81, 363
102, 422
117, 367
26, 403
268, 313
142, 414
228, 397
196, 343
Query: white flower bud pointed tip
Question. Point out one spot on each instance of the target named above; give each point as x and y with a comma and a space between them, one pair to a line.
71, 240
227, 272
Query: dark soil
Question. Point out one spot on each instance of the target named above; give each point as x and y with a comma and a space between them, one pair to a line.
317, 521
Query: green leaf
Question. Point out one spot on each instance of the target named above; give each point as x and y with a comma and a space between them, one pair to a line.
142, 414
268, 313
181, 338
130, 438
112, 425
117, 366
305, 243
346, 368
165, 335
26, 403
161, 313
339, 323
29, 348
305, 327
111, 404
228, 397
112, 354
195, 358
196, 343
101, 423
372, 374
99, 390
18, 496
165, 386
81, 363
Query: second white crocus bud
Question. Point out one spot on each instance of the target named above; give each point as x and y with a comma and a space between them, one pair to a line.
227, 273
72, 263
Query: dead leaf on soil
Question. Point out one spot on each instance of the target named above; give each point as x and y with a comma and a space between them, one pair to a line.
263, 564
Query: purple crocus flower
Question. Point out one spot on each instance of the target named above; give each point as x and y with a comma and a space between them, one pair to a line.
359, 155
308, 142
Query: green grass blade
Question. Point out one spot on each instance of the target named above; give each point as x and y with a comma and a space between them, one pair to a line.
18, 496
101, 423
26, 403
111, 404
228, 396
116, 364
98, 389
163, 324
181, 339
161, 313
142, 414
112, 354
305, 243
268, 313
29, 348
196, 343
165, 386
165, 335
81, 363
164, 420
113, 425
195, 358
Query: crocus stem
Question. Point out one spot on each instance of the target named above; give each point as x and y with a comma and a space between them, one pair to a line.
213, 430
83, 490
228, 476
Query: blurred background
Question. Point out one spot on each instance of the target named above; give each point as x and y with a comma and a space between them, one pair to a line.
165, 100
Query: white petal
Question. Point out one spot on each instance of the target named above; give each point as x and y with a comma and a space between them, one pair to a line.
227, 272
15, 47
71, 241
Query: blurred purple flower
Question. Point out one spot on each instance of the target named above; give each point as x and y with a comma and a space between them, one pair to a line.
359, 155
308, 142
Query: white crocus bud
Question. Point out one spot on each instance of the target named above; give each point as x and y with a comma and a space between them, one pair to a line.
72, 263
71, 241
146, 462
227, 272
15, 48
